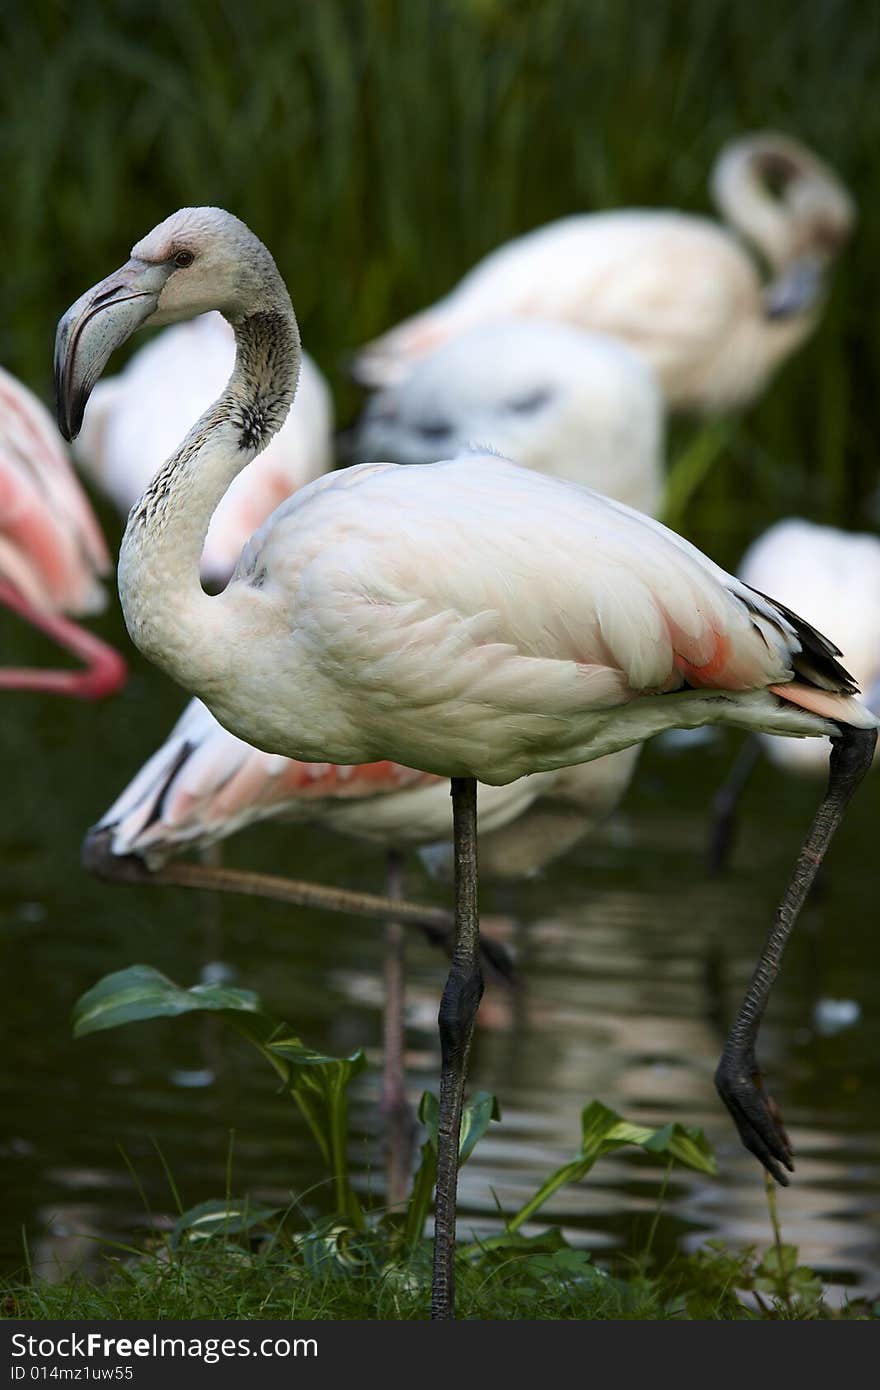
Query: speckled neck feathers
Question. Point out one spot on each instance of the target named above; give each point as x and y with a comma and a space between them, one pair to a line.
166, 609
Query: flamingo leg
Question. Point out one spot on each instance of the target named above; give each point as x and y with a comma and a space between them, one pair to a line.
738, 1077
434, 922
105, 671
722, 832
458, 1010
399, 1122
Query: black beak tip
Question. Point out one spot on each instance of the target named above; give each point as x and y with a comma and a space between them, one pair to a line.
69, 410
69, 417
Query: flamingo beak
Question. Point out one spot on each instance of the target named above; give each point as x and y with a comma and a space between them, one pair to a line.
100, 320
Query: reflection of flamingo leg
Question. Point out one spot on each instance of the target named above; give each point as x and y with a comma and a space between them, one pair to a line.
399, 1123
105, 669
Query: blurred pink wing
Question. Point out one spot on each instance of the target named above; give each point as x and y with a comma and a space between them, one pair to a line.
204, 784
51, 547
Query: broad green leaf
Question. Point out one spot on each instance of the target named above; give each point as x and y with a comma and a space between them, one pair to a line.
603, 1131
140, 992
226, 1217
476, 1116
317, 1083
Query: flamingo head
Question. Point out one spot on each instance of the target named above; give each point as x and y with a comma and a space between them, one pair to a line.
197, 259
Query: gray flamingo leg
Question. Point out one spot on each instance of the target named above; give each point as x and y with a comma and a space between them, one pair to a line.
395, 1109
738, 1077
458, 1010
722, 831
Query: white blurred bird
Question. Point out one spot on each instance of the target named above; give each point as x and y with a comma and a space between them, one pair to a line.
556, 399
833, 577
682, 291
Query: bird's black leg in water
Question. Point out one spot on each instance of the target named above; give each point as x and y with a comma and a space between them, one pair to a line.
458, 1010
722, 830
738, 1077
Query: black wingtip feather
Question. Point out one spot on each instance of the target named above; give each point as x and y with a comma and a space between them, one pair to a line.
816, 663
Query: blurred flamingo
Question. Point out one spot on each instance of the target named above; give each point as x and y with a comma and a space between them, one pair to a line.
136, 419
556, 399
52, 553
681, 290
469, 618
833, 577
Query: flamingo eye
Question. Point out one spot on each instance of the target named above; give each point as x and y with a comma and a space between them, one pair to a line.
183, 259
533, 401
434, 430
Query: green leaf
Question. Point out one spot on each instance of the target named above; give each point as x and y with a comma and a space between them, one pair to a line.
779, 1262
476, 1116
227, 1217
506, 1243
603, 1131
317, 1083
140, 992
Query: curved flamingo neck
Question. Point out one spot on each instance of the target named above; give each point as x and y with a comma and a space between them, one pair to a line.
746, 203
167, 612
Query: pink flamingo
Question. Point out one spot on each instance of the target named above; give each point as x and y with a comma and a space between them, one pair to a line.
468, 618
682, 291
52, 553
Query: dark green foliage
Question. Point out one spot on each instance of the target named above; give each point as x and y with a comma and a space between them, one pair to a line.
336, 1273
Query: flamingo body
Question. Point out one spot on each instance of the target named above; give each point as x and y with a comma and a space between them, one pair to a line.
471, 618
554, 398
680, 290
51, 547
565, 402
833, 577
52, 553
204, 785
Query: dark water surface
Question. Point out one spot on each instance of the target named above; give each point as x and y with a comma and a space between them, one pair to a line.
631, 958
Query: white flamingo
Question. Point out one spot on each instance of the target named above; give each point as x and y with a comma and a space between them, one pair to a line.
833, 577
468, 618
554, 398
679, 289
52, 553
126, 437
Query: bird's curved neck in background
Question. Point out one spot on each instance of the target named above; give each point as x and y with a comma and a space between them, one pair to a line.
168, 614
744, 199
